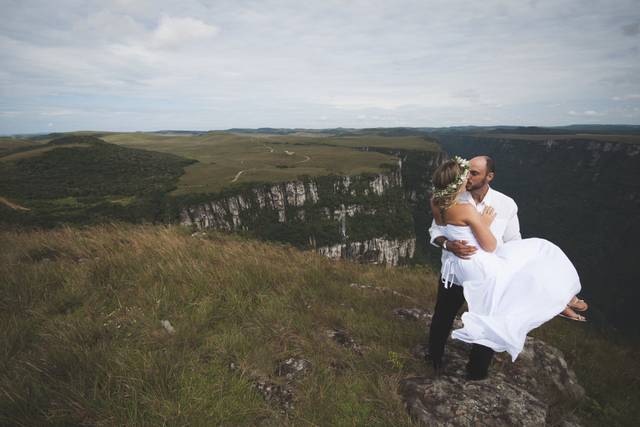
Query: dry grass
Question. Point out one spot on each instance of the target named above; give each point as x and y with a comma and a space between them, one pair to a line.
82, 342
85, 344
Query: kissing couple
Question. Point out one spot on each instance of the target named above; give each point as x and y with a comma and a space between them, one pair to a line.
511, 285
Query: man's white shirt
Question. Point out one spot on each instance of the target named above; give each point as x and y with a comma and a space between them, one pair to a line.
505, 226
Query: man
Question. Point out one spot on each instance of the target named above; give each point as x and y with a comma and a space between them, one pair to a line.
450, 298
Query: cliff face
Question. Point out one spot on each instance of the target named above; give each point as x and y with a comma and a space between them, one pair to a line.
583, 195
360, 217
417, 168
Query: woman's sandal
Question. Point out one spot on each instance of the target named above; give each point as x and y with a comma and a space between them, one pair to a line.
568, 313
578, 304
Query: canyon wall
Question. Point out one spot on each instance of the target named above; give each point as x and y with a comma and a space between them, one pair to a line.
364, 217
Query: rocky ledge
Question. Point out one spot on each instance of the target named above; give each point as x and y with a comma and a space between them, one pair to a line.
538, 389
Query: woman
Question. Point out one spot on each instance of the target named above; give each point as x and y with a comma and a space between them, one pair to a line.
511, 288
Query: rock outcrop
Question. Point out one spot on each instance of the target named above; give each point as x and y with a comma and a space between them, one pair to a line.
375, 251
538, 389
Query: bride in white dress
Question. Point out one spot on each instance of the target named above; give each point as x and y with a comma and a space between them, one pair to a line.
510, 289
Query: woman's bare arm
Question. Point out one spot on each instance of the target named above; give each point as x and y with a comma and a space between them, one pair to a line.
479, 224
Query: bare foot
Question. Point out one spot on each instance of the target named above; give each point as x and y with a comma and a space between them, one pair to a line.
577, 304
568, 313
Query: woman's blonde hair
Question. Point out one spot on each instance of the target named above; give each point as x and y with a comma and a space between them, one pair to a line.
447, 180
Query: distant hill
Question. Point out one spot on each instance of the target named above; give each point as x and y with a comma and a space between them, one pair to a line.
83, 177
76, 139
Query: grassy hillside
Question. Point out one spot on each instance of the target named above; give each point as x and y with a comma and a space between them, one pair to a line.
227, 159
83, 341
77, 178
11, 144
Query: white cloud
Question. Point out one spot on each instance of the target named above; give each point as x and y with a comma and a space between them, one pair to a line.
244, 63
173, 32
629, 97
585, 113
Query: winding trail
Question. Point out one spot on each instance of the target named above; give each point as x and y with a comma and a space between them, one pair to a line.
305, 160
12, 205
238, 175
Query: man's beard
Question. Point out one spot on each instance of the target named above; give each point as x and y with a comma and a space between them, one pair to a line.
471, 187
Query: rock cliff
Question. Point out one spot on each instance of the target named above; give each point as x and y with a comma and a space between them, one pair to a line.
418, 166
538, 389
363, 217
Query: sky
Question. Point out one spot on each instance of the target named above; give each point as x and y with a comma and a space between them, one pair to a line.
141, 65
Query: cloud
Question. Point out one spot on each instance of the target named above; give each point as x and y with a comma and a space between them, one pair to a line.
631, 29
586, 113
629, 97
242, 63
173, 32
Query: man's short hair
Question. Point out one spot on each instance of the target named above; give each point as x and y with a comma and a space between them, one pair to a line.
491, 164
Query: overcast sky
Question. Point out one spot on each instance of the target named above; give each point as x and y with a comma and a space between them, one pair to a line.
153, 64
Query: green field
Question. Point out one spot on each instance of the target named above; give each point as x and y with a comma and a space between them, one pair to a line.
77, 176
226, 159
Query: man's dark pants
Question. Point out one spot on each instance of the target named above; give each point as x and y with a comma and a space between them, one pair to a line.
448, 304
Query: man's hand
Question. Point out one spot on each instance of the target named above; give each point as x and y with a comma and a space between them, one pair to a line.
461, 248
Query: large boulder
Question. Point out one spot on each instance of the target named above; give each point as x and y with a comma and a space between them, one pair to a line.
537, 389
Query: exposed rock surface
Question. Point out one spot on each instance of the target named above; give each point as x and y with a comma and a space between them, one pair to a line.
538, 389
317, 202
280, 391
293, 368
375, 251
343, 338
280, 395
224, 213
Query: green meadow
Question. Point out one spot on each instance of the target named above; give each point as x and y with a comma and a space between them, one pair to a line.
76, 177
226, 159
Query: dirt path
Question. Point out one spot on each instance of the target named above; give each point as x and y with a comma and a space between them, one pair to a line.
305, 160
238, 175
12, 205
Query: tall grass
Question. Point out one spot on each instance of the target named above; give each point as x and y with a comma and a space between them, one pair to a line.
83, 344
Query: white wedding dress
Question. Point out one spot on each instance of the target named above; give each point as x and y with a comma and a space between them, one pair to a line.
511, 291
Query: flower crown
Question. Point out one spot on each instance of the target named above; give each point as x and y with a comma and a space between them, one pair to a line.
453, 187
